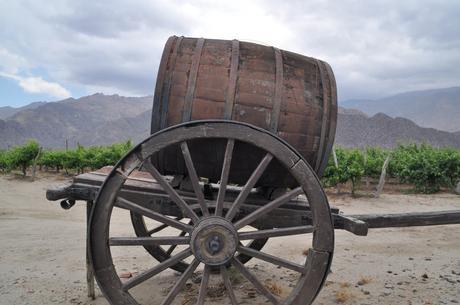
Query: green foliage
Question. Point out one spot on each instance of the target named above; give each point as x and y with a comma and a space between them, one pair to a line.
350, 167
4, 164
374, 159
449, 163
52, 159
427, 168
77, 159
23, 156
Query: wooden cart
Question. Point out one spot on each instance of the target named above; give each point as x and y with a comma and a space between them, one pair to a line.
240, 134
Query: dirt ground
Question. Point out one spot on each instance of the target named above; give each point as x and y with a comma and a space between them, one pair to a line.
42, 254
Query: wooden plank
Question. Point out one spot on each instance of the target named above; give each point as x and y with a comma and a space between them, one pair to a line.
350, 224
410, 219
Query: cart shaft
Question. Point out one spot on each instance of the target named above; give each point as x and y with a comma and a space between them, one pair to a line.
375, 221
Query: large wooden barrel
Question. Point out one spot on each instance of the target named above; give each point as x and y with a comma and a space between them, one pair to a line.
291, 95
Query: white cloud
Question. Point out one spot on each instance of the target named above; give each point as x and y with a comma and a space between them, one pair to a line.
11, 63
375, 48
39, 85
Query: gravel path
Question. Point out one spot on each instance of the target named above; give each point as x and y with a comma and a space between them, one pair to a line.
43, 249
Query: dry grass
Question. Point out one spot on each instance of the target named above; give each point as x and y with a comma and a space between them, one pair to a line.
364, 280
235, 276
345, 285
343, 295
274, 288
216, 290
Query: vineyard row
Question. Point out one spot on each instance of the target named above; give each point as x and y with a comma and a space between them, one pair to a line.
427, 168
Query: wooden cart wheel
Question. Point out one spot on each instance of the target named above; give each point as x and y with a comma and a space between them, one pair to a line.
161, 254
213, 239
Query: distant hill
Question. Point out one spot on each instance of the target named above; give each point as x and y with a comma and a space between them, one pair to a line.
103, 119
438, 108
342, 110
8, 111
80, 120
357, 130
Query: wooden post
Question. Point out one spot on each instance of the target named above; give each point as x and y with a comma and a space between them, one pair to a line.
382, 177
366, 178
89, 267
34, 166
336, 163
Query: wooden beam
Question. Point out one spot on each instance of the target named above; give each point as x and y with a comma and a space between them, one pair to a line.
410, 219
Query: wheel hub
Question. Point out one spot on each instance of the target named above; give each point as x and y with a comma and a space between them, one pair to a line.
214, 241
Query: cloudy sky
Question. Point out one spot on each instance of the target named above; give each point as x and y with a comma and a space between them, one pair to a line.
50, 50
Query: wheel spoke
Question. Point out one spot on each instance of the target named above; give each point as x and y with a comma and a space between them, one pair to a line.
157, 269
275, 232
148, 241
161, 227
259, 286
228, 285
181, 282
171, 192
204, 285
224, 177
249, 185
129, 205
194, 178
268, 207
171, 249
157, 229
271, 259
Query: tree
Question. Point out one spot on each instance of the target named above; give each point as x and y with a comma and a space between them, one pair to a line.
4, 162
374, 161
23, 156
350, 166
449, 162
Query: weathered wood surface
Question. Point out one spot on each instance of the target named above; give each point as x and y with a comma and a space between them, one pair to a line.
141, 187
381, 184
410, 219
86, 186
291, 95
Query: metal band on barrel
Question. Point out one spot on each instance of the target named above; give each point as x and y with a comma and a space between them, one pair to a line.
279, 80
190, 94
157, 99
325, 118
332, 120
231, 92
167, 85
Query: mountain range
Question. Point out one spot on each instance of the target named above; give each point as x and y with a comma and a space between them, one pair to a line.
8, 111
437, 108
360, 130
103, 119
91, 120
